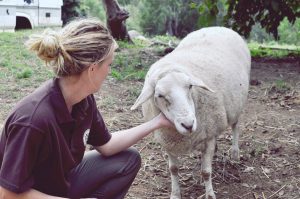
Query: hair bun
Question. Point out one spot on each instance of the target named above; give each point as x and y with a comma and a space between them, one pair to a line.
46, 45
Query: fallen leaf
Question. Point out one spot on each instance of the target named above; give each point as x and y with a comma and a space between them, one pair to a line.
281, 193
277, 180
249, 169
266, 170
245, 185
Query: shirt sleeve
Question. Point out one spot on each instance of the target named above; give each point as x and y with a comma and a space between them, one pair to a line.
99, 134
20, 157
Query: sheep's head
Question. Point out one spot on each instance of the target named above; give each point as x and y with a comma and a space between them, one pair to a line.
172, 94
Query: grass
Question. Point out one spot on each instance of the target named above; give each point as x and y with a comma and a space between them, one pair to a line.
132, 60
137, 43
25, 73
273, 49
165, 39
281, 85
16, 61
20, 70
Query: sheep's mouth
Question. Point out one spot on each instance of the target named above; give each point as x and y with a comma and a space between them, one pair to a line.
184, 132
185, 128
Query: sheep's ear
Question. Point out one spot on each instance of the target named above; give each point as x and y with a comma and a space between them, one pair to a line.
146, 93
201, 84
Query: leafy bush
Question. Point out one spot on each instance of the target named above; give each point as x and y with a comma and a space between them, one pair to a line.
175, 17
288, 33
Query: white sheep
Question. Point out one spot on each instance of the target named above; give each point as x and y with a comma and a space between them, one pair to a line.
202, 87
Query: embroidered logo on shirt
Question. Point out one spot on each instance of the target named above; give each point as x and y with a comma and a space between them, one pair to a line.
86, 136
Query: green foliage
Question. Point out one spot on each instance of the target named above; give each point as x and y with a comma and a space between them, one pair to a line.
158, 18
188, 20
273, 49
152, 9
243, 14
208, 10
166, 38
135, 45
116, 74
151, 18
211, 12
289, 33
132, 7
93, 8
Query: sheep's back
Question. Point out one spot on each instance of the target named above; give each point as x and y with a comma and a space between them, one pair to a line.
217, 40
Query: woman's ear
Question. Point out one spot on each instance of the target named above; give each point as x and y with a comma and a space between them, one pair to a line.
92, 66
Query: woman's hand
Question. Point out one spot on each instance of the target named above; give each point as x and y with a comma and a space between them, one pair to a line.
163, 121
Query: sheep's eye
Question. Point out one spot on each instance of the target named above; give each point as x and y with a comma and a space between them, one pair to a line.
190, 86
164, 98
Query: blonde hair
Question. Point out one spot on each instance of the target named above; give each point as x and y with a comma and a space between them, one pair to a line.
71, 50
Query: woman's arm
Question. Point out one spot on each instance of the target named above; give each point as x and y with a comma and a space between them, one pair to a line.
30, 194
122, 140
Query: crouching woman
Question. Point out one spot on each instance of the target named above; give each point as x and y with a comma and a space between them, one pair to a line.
42, 145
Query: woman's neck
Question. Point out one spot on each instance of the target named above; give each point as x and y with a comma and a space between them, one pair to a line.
73, 90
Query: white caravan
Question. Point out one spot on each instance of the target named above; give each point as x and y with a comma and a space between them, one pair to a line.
20, 14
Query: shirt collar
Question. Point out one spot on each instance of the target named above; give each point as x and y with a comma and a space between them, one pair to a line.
61, 110
60, 107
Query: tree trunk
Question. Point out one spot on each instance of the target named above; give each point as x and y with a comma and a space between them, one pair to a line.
70, 10
169, 27
172, 26
116, 18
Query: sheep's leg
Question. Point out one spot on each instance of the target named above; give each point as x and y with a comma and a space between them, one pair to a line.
235, 151
173, 167
206, 168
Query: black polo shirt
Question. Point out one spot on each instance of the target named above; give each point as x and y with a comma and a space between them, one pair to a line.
41, 141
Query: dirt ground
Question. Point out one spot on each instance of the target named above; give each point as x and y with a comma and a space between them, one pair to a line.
269, 142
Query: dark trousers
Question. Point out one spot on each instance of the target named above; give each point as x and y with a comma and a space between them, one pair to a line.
104, 177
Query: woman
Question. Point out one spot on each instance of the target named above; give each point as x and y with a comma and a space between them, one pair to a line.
42, 149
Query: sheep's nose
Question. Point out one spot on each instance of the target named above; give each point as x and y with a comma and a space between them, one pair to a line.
187, 127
